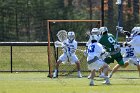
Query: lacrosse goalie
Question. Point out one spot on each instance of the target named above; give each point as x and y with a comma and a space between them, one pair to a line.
94, 51
69, 46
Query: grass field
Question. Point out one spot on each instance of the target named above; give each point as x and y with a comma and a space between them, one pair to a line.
121, 82
35, 59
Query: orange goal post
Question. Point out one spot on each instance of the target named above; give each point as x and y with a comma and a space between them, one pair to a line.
80, 27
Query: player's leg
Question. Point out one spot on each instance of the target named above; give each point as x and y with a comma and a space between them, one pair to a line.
104, 74
105, 70
92, 78
55, 74
62, 58
115, 68
75, 60
78, 69
138, 67
108, 60
135, 61
118, 57
89, 76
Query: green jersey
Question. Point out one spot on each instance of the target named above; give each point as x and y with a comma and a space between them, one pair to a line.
108, 41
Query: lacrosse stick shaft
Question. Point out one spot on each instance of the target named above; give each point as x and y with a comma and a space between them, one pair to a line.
119, 3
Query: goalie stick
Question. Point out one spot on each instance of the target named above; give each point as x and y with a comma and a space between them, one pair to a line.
62, 36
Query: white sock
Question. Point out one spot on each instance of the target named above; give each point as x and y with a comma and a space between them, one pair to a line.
92, 81
79, 72
55, 70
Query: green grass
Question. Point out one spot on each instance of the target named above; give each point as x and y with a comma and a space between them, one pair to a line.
35, 58
24, 58
121, 82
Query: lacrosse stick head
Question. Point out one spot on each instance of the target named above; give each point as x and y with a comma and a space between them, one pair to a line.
62, 35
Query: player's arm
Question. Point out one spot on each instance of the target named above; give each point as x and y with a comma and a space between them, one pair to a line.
74, 48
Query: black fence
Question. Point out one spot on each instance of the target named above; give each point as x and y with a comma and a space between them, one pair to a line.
12, 54
30, 57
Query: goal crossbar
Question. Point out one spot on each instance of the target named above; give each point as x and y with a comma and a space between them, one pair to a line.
74, 20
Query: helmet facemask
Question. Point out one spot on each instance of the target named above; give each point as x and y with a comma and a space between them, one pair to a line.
71, 36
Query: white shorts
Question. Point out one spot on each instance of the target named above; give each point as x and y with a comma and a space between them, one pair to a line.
96, 65
72, 59
132, 61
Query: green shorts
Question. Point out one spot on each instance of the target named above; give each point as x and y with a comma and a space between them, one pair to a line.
118, 57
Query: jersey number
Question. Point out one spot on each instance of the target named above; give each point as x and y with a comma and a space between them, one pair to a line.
111, 40
91, 49
129, 52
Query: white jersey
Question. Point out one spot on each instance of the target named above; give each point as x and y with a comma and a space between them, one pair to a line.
135, 42
129, 55
94, 49
69, 49
128, 52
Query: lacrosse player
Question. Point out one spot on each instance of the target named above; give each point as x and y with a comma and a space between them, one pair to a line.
96, 33
135, 40
69, 48
111, 46
94, 51
130, 49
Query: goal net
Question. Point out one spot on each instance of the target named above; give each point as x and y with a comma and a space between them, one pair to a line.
81, 28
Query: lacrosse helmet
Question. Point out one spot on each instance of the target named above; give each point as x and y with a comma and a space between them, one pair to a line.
71, 35
95, 31
135, 31
93, 38
103, 29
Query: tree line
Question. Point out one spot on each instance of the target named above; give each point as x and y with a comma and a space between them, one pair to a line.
25, 20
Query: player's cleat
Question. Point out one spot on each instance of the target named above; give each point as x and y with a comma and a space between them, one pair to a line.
79, 75
107, 82
89, 76
103, 76
91, 83
55, 74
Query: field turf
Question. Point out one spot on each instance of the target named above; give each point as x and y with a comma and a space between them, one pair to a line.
121, 82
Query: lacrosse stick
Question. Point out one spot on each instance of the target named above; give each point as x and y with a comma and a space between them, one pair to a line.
119, 3
62, 36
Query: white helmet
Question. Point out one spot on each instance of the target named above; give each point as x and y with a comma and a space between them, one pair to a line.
71, 35
95, 31
103, 29
135, 31
93, 37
